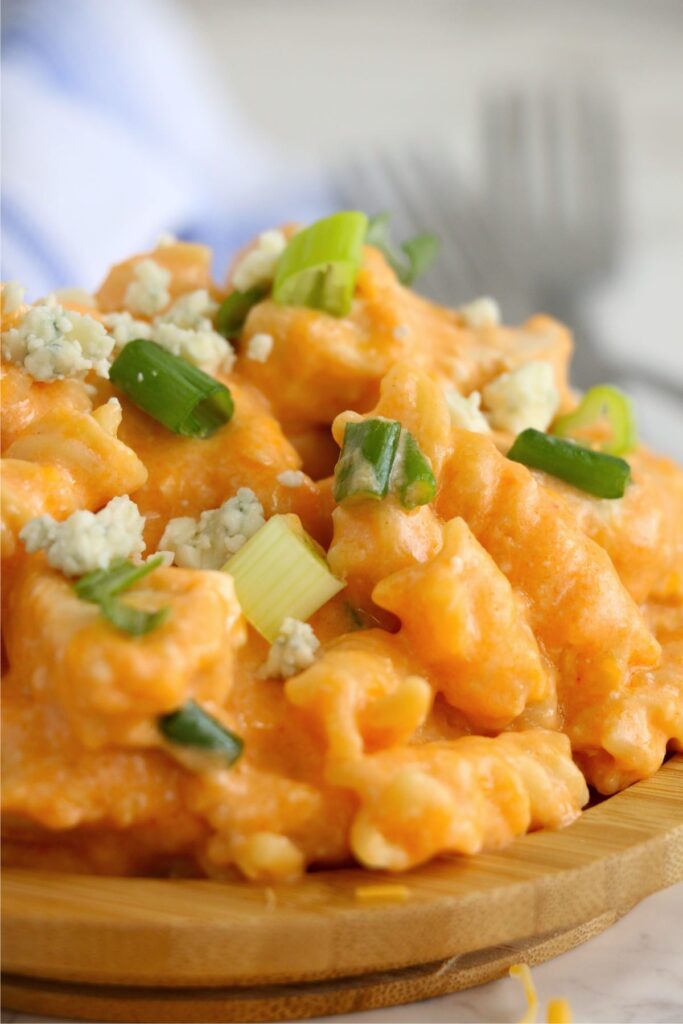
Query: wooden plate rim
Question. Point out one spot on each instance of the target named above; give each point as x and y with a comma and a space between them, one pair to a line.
175, 933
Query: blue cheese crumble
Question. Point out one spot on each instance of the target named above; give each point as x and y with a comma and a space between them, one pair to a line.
482, 312
293, 650
52, 343
465, 412
208, 542
258, 266
148, 293
524, 397
88, 540
12, 297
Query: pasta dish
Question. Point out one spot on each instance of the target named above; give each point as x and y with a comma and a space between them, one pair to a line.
305, 570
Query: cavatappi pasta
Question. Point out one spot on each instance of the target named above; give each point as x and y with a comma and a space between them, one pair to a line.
430, 651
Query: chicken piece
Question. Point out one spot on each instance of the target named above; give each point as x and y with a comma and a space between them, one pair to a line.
451, 608
471, 794
109, 685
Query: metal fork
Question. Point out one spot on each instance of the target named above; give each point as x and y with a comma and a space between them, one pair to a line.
422, 187
552, 187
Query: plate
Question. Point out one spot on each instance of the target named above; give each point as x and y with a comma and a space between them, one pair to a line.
122, 949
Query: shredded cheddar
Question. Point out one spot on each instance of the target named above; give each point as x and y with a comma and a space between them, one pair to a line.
558, 1011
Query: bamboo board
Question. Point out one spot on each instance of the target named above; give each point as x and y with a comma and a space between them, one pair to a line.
171, 950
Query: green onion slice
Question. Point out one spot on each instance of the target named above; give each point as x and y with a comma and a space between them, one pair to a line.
191, 726
418, 253
101, 587
280, 572
320, 264
132, 620
378, 456
102, 583
603, 403
413, 475
234, 310
175, 393
605, 476
366, 460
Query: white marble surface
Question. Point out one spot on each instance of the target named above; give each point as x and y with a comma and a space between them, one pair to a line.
631, 974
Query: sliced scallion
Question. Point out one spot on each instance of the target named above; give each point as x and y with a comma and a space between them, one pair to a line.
602, 404
366, 460
605, 476
413, 476
377, 457
320, 264
135, 621
280, 572
418, 253
191, 726
175, 393
234, 310
102, 585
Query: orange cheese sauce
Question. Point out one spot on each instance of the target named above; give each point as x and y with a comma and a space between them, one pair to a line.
493, 652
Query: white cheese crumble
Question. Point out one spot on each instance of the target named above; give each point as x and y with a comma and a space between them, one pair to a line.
193, 311
51, 343
208, 542
524, 397
259, 347
165, 239
12, 297
88, 540
294, 650
258, 266
465, 412
483, 312
206, 349
148, 293
401, 332
125, 328
291, 478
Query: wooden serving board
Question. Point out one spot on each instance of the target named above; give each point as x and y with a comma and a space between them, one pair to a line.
187, 950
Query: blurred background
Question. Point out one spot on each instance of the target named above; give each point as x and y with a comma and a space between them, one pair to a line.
542, 139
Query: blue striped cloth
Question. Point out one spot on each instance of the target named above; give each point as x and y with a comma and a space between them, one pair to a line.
114, 132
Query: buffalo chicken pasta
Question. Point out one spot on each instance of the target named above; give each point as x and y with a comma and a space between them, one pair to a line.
305, 570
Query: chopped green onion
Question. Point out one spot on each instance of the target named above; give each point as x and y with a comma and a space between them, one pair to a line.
191, 726
413, 475
605, 476
135, 621
379, 456
233, 311
102, 585
602, 403
420, 251
177, 394
279, 572
366, 460
319, 267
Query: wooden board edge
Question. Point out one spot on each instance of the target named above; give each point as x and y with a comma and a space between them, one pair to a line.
290, 1002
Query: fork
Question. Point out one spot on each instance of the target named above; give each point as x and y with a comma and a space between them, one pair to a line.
552, 186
